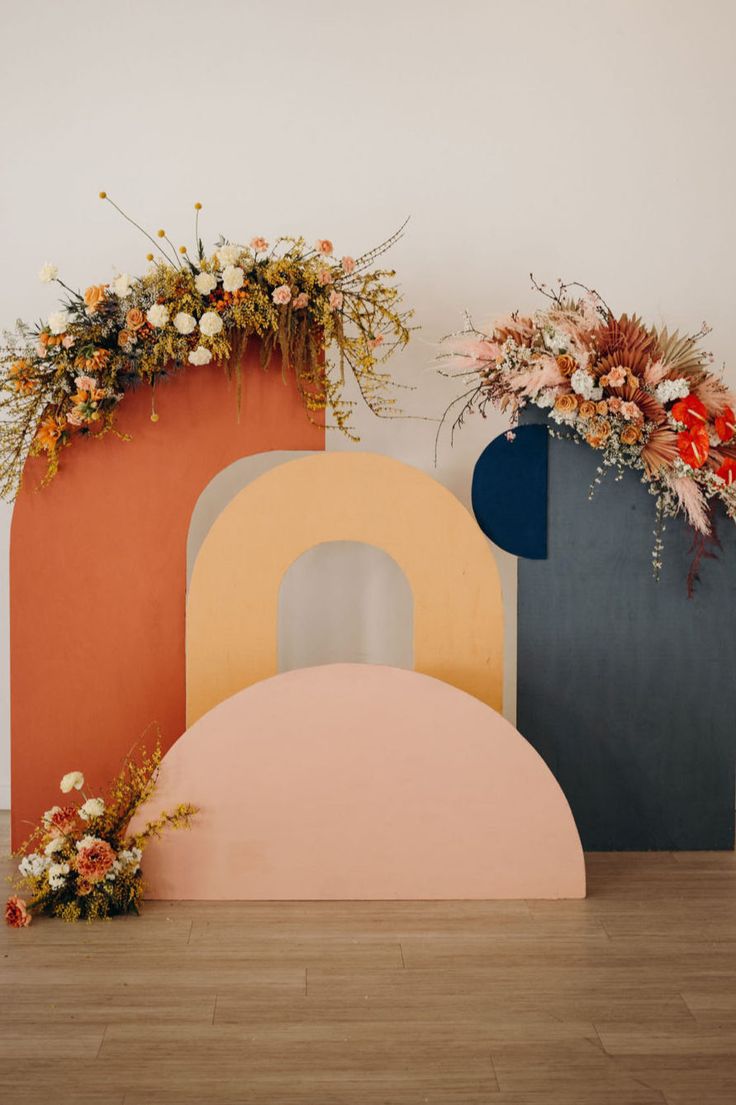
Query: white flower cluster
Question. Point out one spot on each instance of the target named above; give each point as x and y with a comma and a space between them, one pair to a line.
545, 398
33, 865
122, 285
127, 857
93, 807
57, 875
555, 341
669, 390
584, 384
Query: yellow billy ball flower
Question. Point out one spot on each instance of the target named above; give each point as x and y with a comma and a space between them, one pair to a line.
154, 417
149, 256
103, 195
182, 249
198, 207
161, 233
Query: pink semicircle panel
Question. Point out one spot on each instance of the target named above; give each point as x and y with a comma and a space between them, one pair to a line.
354, 781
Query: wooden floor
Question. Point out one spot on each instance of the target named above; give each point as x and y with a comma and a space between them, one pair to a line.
627, 998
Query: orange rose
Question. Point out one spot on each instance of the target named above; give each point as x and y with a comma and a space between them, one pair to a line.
587, 409
566, 403
124, 338
566, 364
602, 407
94, 296
135, 319
630, 435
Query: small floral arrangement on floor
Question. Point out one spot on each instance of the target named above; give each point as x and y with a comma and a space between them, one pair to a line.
80, 863
643, 397
65, 377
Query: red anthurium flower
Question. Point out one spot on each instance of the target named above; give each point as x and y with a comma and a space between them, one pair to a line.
725, 424
690, 411
693, 446
727, 471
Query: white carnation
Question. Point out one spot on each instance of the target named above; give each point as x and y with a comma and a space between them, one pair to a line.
48, 273
200, 355
93, 807
184, 322
33, 865
73, 780
130, 857
158, 315
670, 390
57, 875
210, 324
58, 322
122, 284
205, 283
228, 255
232, 278
54, 845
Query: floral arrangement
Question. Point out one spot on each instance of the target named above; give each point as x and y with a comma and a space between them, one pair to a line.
642, 397
80, 862
64, 377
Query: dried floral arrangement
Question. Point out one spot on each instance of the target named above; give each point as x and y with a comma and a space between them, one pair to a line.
65, 377
80, 863
643, 397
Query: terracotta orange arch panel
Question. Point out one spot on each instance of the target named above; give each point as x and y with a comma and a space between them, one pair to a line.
354, 781
233, 594
98, 573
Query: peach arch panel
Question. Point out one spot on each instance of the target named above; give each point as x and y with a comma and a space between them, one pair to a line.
352, 781
232, 607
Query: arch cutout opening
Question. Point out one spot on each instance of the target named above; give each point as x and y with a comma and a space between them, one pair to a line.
345, 601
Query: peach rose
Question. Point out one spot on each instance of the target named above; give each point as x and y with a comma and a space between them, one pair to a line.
599, 434
324, 276
259, 244
630, 412
336, 300
630, 435
323, 246
566, 403
301, 301
94, 296
566, 364
614, 404
94, 859
348, 264
601, 407
281, 295
587, 409
16, 913
124, 338
615, 378
134, 319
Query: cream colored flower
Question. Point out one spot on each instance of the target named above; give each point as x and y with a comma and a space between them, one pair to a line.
282, 294
184, 322
200, 355
93, 807
58, 322
232, 278
158, 315
210, 324
73, 780
54, 845
205, 283
48, 273
122, 285
228, 255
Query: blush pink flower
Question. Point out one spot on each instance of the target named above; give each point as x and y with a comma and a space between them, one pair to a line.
94, 859
617, 376
336, 300
348, 264
614, 405
376, 341
630, 412
67, 341
324, 276
258, 244
301, 301
323, 246
282, 294
16, 913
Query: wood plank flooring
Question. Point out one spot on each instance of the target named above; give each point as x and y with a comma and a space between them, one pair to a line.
626, 998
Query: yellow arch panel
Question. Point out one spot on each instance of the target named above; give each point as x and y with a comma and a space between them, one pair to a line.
232, 604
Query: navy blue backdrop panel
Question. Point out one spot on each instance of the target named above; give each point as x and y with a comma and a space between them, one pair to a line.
509, 491
626, 687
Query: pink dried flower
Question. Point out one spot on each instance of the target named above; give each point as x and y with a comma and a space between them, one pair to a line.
301, 301
259, 244
324, 276
336, 300
323, 246
616, 377
376, 341
282, 294
348, 264
630, 412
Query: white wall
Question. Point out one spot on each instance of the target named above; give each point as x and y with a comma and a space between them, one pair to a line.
590, 139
